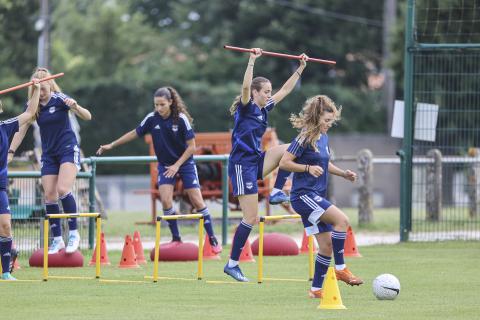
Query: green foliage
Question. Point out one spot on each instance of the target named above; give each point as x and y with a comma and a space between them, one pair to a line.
116, 53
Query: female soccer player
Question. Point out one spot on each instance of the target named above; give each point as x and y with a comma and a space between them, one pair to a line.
60, 156
174, 144
247, 162
7, 130
308, 156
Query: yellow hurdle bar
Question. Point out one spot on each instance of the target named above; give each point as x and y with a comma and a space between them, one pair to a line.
198, 216
98, 242
260, 247
282, 217
181, 216
46, 228
71, 215
200, 248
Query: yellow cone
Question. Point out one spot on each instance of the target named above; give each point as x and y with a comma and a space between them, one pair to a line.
331, 294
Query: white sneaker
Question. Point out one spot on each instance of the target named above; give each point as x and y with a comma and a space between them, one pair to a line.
57, 245
73, 242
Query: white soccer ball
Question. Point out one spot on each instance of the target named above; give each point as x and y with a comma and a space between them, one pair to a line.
386, 287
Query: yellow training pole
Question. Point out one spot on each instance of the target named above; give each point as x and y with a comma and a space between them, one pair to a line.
157, 250
97, 251
200, 248
261, 228
45, 248
310, 258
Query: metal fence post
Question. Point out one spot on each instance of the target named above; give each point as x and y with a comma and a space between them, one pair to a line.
91, 198
434, 186
473, 181
225, 201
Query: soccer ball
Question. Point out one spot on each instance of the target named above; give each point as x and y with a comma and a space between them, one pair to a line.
386, 287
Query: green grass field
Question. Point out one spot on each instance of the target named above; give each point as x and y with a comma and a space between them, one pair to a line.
438, 281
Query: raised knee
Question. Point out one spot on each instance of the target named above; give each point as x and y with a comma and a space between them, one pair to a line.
250, 220
62, 191
5, 229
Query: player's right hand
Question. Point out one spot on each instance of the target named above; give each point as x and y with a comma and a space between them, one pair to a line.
9, 157
104, 148
257, 52
315, 171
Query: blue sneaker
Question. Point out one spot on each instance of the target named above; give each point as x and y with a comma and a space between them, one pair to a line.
279, 197
8, 277
235, 273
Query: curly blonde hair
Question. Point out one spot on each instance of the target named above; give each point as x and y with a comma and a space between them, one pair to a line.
308, 120
178, 106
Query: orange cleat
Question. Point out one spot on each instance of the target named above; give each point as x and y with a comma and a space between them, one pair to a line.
347, 276
317, 294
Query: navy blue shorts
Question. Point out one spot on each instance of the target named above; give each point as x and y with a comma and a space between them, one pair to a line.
4, 207
244, 177
188, 174
310, 207
51, 163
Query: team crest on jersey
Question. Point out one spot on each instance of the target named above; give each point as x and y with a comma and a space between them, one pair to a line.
174, 128
318, 199
51, 109
249, 185
260, 117
157, 127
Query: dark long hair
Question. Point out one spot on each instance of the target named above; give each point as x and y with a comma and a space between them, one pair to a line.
178, 106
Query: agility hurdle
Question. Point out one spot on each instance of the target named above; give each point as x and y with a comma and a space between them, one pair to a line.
260, 249
200, 242
46, 228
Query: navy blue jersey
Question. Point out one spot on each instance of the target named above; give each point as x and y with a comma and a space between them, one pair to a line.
55, 129
304, 182
250, 123
169, 138
7, 130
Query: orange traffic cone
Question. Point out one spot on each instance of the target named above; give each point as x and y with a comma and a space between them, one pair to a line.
128, 255
350, 247
103, 253
304, 248
207, 251
138, 247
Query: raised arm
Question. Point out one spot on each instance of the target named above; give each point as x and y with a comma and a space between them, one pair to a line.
247, 78
29, 114
80, 111
290, 83
24, 121
127, 137
346, 174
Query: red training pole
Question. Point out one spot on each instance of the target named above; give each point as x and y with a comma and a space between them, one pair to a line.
280, 55
27, 84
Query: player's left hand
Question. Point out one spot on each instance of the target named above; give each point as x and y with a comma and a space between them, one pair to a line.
171, 171
350, 175
71, 103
